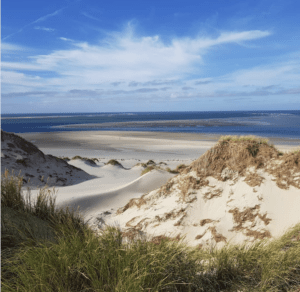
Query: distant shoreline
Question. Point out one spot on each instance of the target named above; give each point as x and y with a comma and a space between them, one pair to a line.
131, 144
273, 124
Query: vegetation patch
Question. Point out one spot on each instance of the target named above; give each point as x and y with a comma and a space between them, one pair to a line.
147, 169
249, 215
180, 167
248, 138
213, 194
174, 171
206, 221
141, 164
234, 155
89, 160
190, 183
158, 239
114, 162
20, 142
166, 189
78, 259
23, 161
65, 158
217, 236
253, 179
138, 202
150, 162
286, 172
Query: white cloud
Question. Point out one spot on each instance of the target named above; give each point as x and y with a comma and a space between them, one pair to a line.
19, 82
43, 18
22, 66
127, 61
7, 48
283, 73
66, 39
44, 28
126, 57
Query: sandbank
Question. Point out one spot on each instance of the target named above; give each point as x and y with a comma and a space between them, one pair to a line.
133, 145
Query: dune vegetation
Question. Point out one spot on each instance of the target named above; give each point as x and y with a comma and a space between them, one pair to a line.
50, 249
114, 162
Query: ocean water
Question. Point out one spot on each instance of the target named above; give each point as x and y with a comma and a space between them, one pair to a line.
285, 124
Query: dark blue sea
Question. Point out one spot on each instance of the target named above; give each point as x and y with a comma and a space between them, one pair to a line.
285, 124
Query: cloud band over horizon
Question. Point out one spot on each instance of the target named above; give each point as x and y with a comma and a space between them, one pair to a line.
126, 66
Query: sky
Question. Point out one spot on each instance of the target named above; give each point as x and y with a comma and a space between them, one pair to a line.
64, 56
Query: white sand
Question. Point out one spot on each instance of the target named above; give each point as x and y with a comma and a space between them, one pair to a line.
280, 206
114, 186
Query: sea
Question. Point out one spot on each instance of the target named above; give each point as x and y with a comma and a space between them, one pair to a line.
280, 124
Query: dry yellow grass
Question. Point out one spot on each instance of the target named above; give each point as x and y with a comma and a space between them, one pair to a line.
238, 154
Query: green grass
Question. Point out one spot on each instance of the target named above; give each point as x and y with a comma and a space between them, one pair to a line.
80, 260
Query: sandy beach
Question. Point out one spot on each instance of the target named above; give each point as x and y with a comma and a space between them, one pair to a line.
133, 145
103, 190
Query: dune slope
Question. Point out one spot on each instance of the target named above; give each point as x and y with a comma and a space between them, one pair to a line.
37, 169
239, 191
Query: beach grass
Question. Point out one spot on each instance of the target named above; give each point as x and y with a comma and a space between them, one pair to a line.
148, 169
90, 160
114, 162
248, 138
79, 259
174, 171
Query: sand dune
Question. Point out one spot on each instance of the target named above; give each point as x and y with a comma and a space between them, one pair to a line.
235, 191
37, 169
93, 204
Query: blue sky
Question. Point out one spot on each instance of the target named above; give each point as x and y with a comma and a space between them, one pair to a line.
126, 56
